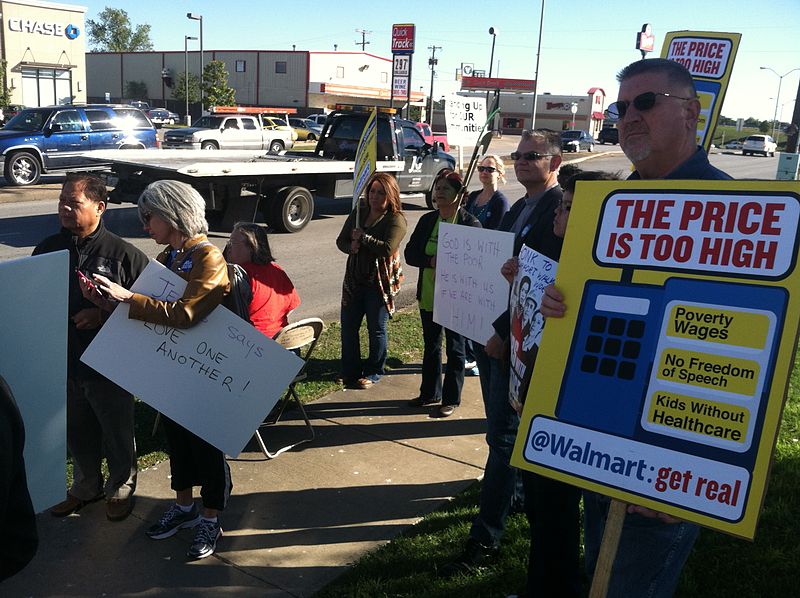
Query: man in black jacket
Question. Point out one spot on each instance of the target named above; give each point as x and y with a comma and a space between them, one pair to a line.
536, 163
100, 416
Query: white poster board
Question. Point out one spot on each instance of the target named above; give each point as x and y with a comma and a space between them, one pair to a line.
33, 360
470, 291
219, 379
465, 117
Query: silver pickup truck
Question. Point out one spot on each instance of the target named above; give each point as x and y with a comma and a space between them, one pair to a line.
236, 132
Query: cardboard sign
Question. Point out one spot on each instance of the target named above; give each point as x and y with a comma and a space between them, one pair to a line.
470, 291
536, 271
709, 58
33, 360
663, 385
366, 156
464, 118
218, 379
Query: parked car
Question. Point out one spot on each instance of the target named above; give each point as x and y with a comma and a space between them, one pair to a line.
433, 139
306, 129
143, 106
57, 138
162, 116
608, 135
576, 141
9, 112
318, 118
759, 144
273, 123
734, 144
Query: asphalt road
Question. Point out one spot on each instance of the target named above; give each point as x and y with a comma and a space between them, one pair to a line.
310, 257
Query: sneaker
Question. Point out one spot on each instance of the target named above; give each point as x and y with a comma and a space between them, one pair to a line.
472, 372
374, 378
118, 509
444, 411
423, 402
359, 384
72, 505
173, 520
474, 557
470, 364
205, 539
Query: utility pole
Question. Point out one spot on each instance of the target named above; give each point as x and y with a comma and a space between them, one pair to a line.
432, 62
363, 43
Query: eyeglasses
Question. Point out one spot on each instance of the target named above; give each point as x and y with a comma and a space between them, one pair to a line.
486, 169
145, 216
563, 206
531, 156
643, 102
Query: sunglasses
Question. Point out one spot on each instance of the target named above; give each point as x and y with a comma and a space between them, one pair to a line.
486, 169
145, 216
643, 102
531, 156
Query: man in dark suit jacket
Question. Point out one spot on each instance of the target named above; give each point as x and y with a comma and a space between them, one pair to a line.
536, 163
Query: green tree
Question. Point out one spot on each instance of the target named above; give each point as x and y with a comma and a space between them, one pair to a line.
179, 90
764, 126
215, 85
113, 32
136, 90
5, 94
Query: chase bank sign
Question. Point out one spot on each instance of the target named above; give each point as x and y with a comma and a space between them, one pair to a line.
43, 28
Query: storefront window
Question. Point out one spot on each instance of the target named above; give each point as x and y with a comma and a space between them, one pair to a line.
46, 87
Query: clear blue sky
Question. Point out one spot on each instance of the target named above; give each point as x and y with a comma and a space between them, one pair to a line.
584, 42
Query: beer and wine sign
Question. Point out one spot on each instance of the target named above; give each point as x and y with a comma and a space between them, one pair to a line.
403, 36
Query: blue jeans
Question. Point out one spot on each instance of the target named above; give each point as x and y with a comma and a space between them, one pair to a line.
502, 484
431, 386
365, 301
650, 556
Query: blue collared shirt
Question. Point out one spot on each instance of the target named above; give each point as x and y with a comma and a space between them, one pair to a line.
696, 167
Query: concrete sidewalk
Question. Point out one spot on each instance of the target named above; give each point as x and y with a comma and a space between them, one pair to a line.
294, 523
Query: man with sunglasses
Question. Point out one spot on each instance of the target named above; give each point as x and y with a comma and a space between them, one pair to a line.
536, 163
100, 416
658, 111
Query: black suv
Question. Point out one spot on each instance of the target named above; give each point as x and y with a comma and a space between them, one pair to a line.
56, 138
608, 135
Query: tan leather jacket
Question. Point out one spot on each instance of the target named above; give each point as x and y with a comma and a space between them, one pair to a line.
207, 284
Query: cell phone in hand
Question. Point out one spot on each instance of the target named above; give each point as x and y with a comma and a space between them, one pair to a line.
88, 281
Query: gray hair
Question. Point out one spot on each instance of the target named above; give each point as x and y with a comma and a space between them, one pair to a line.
676, 73
550, 138
178, 204
498, 164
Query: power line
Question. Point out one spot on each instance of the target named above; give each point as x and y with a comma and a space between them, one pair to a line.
363, 43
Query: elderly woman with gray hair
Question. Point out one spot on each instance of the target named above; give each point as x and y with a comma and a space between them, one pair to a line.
173, 214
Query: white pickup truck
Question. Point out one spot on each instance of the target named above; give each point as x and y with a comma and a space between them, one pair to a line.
235, 131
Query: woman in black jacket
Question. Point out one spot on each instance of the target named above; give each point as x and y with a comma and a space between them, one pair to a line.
421, 252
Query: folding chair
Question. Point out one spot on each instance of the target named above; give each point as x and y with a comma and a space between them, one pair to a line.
297, 336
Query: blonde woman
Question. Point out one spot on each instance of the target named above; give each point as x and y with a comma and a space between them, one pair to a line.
489, 205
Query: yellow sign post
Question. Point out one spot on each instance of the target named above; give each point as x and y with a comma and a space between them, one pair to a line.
664, 383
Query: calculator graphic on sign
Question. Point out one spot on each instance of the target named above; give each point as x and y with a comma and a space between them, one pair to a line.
686, 361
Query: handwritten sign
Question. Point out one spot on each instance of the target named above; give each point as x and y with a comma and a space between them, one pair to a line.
33, 360
470, 291
536, 271
218, 379
464, 117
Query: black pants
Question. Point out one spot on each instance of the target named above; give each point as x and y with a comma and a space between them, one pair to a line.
194, 462
555, 527
431, 386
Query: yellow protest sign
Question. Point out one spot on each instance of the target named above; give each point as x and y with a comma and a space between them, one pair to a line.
709, 57
366, 155
664, 383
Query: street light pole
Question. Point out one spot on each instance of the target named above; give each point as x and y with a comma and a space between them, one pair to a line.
432, 62
536, 74
493, 33
778, 97
186, 39
196, 17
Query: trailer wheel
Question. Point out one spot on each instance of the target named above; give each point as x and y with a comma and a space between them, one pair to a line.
291, 209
